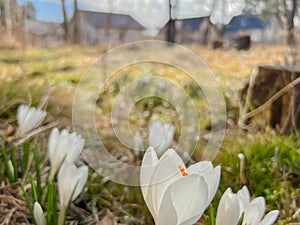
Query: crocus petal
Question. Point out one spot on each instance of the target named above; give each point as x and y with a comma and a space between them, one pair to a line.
82, 175
149, 162
63, 146
138, 144
156, 133
165, 173
212, 179
21, 113
66, 183
270, 218
161, 136
167, 213
211, 175
188, 195
200, 167
228, 209
172, 155
33, 119
244, 199
39, 214
54, 136
29, 119
71, 181
59, 154
167, 138
255, 211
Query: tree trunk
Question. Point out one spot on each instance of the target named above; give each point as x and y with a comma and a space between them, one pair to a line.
171, 26
76, 31
291, 25
8, 17
171, 32
2, 13
65, 22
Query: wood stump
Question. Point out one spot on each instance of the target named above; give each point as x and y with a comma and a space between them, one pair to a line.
284, 110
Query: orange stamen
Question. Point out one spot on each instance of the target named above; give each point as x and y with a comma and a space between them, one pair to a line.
183, 171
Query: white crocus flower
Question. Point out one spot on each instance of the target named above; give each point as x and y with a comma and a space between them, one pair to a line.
174, 194
161, 136
233, 205
71, 181
29, 118
244, 199
237, 204
63, 146
255, 211
228, 210
39, 214
138, 143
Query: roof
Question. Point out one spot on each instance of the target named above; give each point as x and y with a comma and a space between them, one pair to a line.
192, 24
244, 22
117, 21
43, 28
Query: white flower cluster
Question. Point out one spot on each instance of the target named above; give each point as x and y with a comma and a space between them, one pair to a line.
177, 195
174, 194
64, 149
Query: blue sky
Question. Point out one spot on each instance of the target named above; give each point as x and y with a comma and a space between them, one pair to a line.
50, 10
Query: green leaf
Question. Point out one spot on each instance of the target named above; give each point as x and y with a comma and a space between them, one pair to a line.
29, 205
26, 152
38, 173
52, 217
33, 188
9, 173
14, 162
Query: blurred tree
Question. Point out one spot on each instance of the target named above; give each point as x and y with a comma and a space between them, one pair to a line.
76, 31
171, 31
65, 21
171, 26
290, 14
10, 16
29, 10
284, 10
2, 13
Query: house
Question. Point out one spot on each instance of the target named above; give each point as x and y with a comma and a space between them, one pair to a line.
202, 31
93, 28
98, 27
194, 30
205, 31
259, 31
43, 34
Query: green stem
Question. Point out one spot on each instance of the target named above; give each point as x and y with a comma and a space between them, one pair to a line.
62, 217
212, 215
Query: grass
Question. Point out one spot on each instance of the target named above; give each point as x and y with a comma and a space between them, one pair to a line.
271, 161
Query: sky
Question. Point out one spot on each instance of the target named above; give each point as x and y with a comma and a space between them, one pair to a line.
50, 10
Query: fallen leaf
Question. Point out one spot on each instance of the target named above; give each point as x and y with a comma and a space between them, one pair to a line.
106, 220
